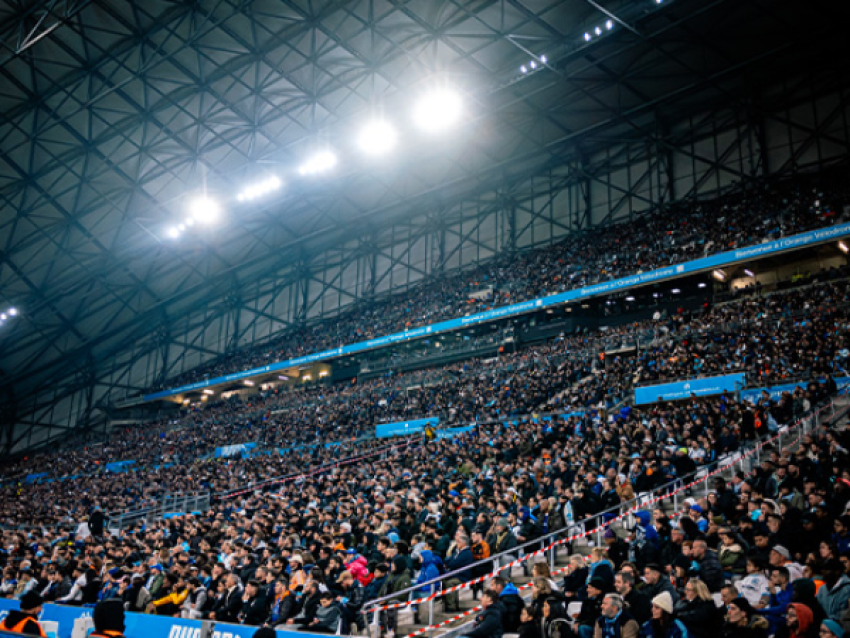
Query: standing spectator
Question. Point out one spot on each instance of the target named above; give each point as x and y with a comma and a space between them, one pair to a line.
460, 558
511, 602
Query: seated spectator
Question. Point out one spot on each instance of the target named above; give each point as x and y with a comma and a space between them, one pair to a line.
636, 603
799, 623
327, 617
511, 602
488, 624
834, 595
663, 623
615, 621
697, 611
742, 621
657, 583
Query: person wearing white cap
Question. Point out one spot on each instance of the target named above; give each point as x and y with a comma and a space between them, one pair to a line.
780, 557
663, 623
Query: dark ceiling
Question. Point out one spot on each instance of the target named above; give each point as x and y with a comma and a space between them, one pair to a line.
113, 113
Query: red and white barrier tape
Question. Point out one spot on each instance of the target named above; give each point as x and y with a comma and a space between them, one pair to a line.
543, 550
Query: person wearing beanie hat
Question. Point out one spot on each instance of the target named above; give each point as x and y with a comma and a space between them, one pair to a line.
831, 629
108, 617
25, 620
663, 623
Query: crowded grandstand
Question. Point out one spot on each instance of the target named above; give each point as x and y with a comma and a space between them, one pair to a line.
627, 418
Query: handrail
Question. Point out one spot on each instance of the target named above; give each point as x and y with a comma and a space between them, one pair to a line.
703, 471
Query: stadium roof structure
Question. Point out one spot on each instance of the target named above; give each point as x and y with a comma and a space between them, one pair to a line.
114, 114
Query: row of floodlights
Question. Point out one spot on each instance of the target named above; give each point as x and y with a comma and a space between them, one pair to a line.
434, 113
8, 314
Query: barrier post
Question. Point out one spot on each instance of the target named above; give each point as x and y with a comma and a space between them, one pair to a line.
553, 557
431, 615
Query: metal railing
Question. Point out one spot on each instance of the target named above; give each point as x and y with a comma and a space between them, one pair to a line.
596, 522
177, 503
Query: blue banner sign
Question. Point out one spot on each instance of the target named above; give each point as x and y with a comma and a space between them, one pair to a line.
404, 427
237, 449
32, 478
684, 389
142, 625
754, 394
706, 263
451, 433
119, 466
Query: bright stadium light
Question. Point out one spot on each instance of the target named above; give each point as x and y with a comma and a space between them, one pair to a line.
523, 68
598, 30
544, 59
533, 64
377, 138
174, 232
701, 284
3, 316
13, 312
587, 37
204, 210
609, 24
438, 111
319, 163
260, 189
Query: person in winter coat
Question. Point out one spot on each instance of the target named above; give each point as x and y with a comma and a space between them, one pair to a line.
528, 628
281, 604
601, 568
398, 580
460, 558
553, 619
663, 623
799, 623
732, 554
698, 612
511, 602
591, 608
576, 578
327, 616
615, 621
742, 621
136, 597
780, 595
804, 591
488, 624
834, 595
502, 540
356, 564
708, 568
637, 603
431, 568
193, 606
644, 547
657, 582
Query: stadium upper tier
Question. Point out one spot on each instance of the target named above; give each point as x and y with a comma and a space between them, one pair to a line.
792, 335
686, 238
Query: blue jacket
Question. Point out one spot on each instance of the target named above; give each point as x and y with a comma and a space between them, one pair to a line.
777, 607
834, 601
430, 570
459, 560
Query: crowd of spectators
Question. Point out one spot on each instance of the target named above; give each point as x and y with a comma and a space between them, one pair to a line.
312, 552
681, 232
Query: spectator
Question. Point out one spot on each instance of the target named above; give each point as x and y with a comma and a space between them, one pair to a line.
615, 621
708, 567
697, 611
488, 624
636, 603
663, 623
460, 558
742, 621
510, 601
658, 583
834, 595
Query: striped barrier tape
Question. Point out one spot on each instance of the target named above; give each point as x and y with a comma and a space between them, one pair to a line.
621, 516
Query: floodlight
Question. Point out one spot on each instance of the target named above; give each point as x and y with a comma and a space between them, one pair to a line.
248, 382
13, 312
204, 210
843, 247
533, 64
609, 24
543, 59
209, 392
438, 111
598, 30
630, 298
3, 316
587, 37
675, 291
174, 232
701, 284
523, 68
749, 273
719, 275
319, 163
377, 137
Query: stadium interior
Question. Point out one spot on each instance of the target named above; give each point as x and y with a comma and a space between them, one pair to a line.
495, 319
